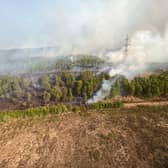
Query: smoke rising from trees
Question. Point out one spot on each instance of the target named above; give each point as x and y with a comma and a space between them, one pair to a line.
99, 27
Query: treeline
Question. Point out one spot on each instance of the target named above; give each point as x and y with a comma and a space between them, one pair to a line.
83, 61
63, 87
66, 87
155, 85
13, 87
86, 61
69, 88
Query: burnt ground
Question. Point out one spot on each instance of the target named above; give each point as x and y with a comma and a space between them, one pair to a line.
8, 105
121, 138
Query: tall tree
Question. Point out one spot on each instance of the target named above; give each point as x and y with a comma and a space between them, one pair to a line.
64, 94
44, 82
56, 92
78, 87
46, 97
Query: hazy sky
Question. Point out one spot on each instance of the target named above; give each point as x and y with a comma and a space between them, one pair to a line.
82, 23
27, 23
23, 22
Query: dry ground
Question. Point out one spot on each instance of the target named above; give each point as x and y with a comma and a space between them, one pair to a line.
123, 138
148, 103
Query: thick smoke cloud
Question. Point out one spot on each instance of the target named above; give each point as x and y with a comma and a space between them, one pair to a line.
99, 27
146, 24
144, 47
95, 26
102, 25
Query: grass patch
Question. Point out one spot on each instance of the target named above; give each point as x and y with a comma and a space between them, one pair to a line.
115, 110
33, 112
55, 109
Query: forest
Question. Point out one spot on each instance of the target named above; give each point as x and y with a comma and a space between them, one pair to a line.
69, 88
64, 87
154, 85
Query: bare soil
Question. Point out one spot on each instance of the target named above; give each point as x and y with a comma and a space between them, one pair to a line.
123, 138
125, 99
150, 103
130, 101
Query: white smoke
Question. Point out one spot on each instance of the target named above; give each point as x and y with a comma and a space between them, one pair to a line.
144, 45
104, 91
97, 25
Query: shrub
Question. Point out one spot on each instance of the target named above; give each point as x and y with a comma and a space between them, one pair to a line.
32, 112
105, 105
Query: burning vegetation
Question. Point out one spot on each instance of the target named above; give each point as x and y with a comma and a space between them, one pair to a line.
77, 88
84, 103
75, 93
64, 87
114, 113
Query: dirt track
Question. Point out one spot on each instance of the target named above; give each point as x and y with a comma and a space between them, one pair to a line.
159, 103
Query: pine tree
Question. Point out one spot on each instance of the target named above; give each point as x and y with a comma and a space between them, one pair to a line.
70, 95
46, 97
56, 92
64, 94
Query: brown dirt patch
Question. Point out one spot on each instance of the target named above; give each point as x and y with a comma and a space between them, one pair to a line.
110, 139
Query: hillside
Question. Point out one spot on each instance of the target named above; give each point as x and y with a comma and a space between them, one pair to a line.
124, 138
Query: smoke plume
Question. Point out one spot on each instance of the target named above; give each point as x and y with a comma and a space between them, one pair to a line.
104, 91
143, 46
99, 27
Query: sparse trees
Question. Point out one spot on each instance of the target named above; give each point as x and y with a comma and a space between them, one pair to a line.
45, 84
46, 97
78, 87
70, 95
56, 92
69, 79
25, 83
114, 91
58, 81
15, 87
64, 94
28, 97
85, 98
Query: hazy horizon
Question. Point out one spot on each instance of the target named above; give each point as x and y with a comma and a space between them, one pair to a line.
87, 27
